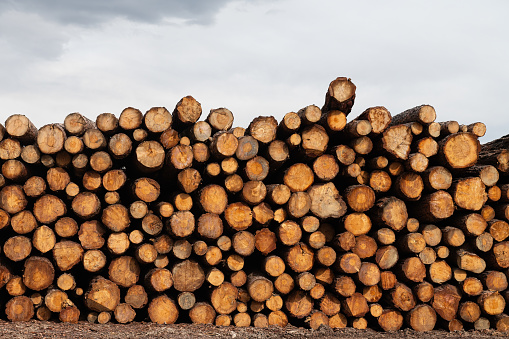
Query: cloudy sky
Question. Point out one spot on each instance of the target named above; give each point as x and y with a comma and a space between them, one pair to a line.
257, 57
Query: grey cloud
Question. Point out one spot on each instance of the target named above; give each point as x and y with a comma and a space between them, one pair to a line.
91, 12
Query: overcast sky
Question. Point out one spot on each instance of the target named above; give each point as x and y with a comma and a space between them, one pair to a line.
256, 57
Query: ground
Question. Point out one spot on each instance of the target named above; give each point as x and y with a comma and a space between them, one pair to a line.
50, 330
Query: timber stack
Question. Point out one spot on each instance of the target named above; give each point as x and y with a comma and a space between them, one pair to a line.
382, 221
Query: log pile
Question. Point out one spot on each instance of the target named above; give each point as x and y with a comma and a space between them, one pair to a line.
382, 221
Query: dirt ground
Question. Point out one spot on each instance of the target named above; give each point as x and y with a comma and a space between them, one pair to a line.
50, 330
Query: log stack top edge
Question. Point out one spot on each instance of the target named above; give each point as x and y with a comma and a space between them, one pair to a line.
386, 220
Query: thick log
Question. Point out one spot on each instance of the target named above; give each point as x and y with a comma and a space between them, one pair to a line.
434, 207
340, 96
446, 301
391, 212
67, 254
163, 310
103, 295
396, 141
422, 318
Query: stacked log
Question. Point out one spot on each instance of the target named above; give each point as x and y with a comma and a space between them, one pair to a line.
382, 221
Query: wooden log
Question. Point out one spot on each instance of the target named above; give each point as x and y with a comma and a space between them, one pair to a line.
220, 119
326, 201
409, 186
188, 276
387, 280
424, 291
390, 320
314, 141
17, 248
86, 205
13, 199
446, 301
103, 295
424, 114
51, 138
340, 96
360, 198
355, 305
396, 141
34, 186
468, 155
187, 111
15, 286
422, 318
494, 280
402, 297
163, 310
19, 308
434, 207
300, 258
491, 302
115, 217
391, 212
107, 123
67, 254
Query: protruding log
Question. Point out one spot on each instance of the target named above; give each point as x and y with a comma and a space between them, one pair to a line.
220, 119
150, 156
299, 177
188, 276
115, 217
327, 203
187, 111
44, 239
224, 298
86, 205
299, 304
340, 96
360, 197
136, 296
424, 114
